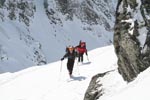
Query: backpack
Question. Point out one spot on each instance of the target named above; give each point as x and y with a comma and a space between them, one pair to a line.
81, 48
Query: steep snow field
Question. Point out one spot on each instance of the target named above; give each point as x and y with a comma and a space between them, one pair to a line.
49, 82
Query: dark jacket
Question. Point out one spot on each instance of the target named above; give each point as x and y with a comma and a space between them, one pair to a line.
70, 55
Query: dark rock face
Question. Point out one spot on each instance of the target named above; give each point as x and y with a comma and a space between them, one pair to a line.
87, 11
17, 10
132, 23
95, 89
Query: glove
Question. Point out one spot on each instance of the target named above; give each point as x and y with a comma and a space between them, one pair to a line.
86, 53
62, 59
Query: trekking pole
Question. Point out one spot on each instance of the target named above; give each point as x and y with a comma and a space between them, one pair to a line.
60, 71
61, 67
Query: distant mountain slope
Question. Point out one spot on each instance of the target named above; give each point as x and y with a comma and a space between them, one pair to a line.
36, 32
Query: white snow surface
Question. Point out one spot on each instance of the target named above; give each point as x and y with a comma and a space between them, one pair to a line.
136, 90
51, 81
131, 21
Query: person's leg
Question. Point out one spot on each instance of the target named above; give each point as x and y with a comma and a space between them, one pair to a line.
82, 57
79, 57
70, 66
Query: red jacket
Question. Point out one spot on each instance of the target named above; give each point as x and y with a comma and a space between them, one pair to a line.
81, 49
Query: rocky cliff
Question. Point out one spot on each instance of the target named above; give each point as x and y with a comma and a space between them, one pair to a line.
131, 38
131, 42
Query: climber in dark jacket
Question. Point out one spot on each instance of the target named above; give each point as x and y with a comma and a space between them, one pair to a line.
70, 54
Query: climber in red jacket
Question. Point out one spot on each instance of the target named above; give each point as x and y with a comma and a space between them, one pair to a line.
81, 49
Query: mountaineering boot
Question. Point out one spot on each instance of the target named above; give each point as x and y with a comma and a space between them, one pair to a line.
70, 74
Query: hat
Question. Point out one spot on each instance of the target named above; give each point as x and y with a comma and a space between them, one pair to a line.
70, 47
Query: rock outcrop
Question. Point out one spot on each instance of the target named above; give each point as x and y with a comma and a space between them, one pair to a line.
95, 89
131, 38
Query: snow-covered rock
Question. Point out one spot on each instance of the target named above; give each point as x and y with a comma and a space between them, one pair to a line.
131, 39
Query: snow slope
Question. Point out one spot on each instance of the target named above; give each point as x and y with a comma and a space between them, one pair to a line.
137, 90
49, 82
42, 42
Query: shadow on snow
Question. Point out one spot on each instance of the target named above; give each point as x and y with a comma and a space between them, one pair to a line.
77, 78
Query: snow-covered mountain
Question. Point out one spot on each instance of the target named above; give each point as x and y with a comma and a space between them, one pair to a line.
36, 32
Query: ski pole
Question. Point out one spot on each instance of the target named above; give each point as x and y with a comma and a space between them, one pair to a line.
61, 67
60, 71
